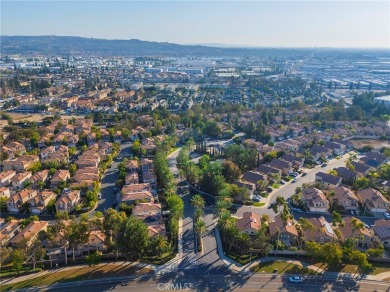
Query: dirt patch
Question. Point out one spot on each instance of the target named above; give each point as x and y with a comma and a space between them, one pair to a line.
17, 117
375, 144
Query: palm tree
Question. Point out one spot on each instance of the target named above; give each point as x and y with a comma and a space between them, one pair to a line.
160, 244
220, 207
225, 220
197, 214
197, 201
200, 228
304, 225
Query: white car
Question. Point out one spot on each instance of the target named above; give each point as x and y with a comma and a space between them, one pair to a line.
387, 215
294, 180
99, 196
295, 279
297, 210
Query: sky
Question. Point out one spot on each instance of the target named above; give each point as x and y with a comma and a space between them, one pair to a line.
308, 23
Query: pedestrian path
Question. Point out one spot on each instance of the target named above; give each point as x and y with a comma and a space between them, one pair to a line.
14, 280
246, 269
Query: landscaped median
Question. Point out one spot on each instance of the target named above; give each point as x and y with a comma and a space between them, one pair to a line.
282, 267
78, 273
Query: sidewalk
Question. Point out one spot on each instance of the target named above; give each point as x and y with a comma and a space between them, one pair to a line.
175, 262
246, 268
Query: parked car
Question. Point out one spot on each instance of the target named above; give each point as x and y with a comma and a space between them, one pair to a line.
304, 174
297, 210
387, 215
99, 196
269, 189
115, 204
324, 165
255, 199
295, 279
295, 180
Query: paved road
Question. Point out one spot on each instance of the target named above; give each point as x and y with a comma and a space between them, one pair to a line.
188, 281
288, 190
108, 181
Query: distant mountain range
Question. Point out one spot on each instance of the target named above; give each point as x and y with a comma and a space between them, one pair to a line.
60, 45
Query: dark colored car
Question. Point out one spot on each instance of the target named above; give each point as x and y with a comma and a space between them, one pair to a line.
304, 174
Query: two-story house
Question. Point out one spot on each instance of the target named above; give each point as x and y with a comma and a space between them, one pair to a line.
373, 200
322, 231
150, 211
19, 180
68, 201
61, 175
328, 181
249, 223
343, 197
6, 177
315, 200
17, 200
362, 235
8, 230
29, 233
381, 231
39, 202
132, 165
285, 232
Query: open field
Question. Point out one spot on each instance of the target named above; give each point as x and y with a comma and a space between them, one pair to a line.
375, 144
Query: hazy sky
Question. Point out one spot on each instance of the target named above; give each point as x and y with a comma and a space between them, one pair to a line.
253, 23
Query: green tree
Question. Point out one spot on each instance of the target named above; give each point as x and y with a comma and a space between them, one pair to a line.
78, 235
18, 257
93, 260
72, 151
72, 168
134, 239
337, 219
112, 224
175, 206
361, 183
36, 252
230, 171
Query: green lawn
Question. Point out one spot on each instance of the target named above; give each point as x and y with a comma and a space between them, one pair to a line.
258, 204
12, 273
350, 268
77, 274
283, 268
275, 186
159, 260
